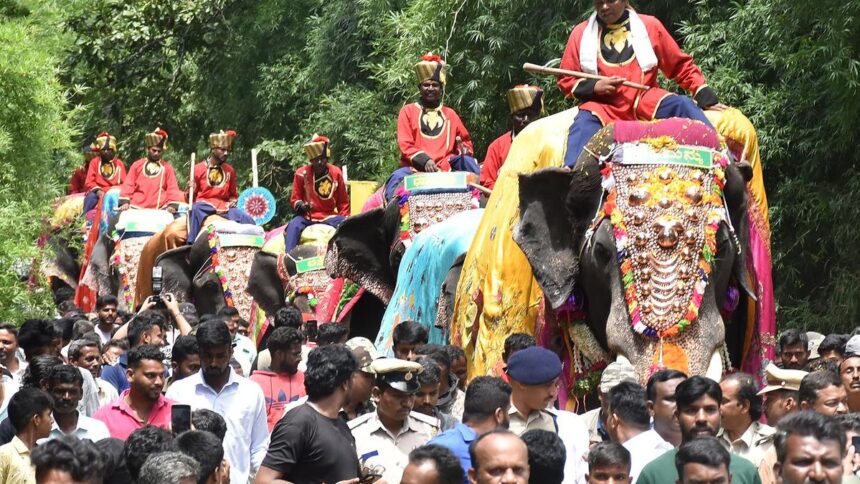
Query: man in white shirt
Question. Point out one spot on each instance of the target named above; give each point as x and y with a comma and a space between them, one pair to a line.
106, 313
11, 358
240, 401
244, 350
65, 385
629, 423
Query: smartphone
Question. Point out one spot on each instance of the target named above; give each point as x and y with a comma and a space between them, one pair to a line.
157, 283
855, 441
180, 418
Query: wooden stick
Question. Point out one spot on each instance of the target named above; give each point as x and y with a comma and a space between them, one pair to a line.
481, 188
584, 75
191, 180
256, 180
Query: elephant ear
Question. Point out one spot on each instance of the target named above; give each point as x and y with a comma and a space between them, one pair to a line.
545, 233
361, 247
175, 272
737, 176
265, 284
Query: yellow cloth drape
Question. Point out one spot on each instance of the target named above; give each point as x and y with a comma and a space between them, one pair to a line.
497, 294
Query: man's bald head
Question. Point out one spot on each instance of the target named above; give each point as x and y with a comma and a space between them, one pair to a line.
499, 457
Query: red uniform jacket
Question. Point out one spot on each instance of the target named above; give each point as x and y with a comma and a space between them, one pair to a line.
104, 176
78, 183
151, 185
418, 141
628, 103
497, 152
327, 195
216, 186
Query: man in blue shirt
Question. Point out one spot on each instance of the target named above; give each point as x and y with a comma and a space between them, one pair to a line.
147, 328
488, 401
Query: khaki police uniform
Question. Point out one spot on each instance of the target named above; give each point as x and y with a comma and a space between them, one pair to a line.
753, 444
385, 452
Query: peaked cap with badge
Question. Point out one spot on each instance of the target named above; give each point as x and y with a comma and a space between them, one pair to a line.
401, 375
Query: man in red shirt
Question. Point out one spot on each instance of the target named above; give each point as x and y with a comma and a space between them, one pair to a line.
526, 105
619, 43
78, 182
151, 181
105, 170
284, 383
215, 186
319, 193
431, 136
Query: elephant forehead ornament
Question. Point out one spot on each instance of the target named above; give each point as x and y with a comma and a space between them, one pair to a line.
665, 204
429, 198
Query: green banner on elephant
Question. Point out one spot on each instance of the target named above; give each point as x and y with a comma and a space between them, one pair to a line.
646, 154
310, 264
438, 181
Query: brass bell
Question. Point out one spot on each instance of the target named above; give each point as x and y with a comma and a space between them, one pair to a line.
692, 215
666, 175
645, 275
668, 232
697, 175
641, 239
639, 217
630, 178
646, 308
665, 203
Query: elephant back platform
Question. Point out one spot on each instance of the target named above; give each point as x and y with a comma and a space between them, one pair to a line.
133, 230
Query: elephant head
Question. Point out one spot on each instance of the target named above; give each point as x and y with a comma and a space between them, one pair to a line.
573, 222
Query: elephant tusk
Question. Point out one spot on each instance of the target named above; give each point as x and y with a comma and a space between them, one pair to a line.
715, 367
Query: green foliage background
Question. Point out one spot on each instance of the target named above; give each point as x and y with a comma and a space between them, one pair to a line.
279, 70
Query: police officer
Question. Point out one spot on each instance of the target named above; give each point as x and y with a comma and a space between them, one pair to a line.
385, 438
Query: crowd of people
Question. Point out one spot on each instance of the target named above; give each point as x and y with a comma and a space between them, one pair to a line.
99, 398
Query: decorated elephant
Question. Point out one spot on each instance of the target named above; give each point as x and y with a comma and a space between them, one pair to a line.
651, 225
59, 259
213, 271
429, 226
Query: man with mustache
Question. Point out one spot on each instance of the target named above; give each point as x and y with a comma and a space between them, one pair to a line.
698, 401
849, 370
240, 401
65, 385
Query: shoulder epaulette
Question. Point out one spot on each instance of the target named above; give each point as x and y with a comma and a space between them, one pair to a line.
359, 420
433, 421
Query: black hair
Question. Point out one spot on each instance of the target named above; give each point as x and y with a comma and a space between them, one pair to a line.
816, 381
289, 317
39, 369
64, 327
77, 345
410, 332
517, 342
430, 374
454, 352
209, 421
143, 323
627, 401
329, 333
244, 323
484, 395
80, 458
82, 327
62, 374
144, 352
850, 422
106, 300
213, 334
116, 343
807, 423
694, 388
546, 456
820, 364
702, 450
437, 353
25, 404
792, 337
447, 464
283, 338
660, 377
228, 312
833, 342
205, 448
115, 470
144, 442
606, 454
328, 367
10, 328
183, 347
35, 334
473, 455
748, 392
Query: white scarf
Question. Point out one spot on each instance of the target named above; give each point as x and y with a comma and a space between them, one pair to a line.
589, 47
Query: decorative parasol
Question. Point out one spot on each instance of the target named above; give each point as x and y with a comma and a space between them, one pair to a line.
257, 202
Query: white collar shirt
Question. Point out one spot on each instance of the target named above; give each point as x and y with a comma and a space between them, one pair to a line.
644, 448
243, 406
86, 428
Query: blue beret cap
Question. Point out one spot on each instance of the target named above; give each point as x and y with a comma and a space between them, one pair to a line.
534, 366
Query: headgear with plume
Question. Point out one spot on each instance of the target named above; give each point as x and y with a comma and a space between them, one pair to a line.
157, 138
525, 96
104, 140
431, 67
223, 140
318, 145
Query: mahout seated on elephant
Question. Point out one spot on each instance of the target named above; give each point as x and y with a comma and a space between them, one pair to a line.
552, 213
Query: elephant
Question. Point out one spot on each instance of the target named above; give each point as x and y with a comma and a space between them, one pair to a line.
212, 272
275, 278
368, 248
59, 260
656, 265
